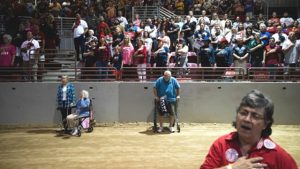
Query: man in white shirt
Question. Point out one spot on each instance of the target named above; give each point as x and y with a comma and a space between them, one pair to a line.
152, 30
79, 28
291, 50
123, 21
279, 36
29, 49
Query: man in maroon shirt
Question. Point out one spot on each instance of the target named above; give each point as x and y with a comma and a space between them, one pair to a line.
250, 146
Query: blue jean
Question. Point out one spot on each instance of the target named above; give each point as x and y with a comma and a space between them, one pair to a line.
79, 46
103, 69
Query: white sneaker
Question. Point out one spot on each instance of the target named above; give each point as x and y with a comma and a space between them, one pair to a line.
172, 129
75, 132
160, 129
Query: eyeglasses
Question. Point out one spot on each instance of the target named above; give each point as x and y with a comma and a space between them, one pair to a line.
253, 115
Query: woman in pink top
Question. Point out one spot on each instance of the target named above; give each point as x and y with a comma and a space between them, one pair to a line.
140, 59
127, 52
7, 52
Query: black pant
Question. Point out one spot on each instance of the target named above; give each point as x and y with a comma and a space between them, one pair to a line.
64, 113
79, 43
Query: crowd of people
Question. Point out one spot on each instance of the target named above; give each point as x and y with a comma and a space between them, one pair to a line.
108, 39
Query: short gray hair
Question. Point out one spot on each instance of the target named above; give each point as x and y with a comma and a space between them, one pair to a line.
168, 72
85, 94
8, 37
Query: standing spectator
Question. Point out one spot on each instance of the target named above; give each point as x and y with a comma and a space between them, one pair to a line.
260, 20
179, 7
249, 7
103, 57
256, 52
122, 20
279, 36
272, 57
225, 7
206, 53
55, 8
40, 59
161, 55
136, 21
172, 32
204, 17
240, 55
102, 28
188, 4
151, 28
248, 23
275, 19
264, 35
181, 56
223, 54
188, 29
271, 28
91, 19
111, 10
198, 6
291, 50
215, 20
80, 28
250, 146
118, 36
65, 99
258, 7
7, 52
29, 49
127, 51
238, 9
52, 39
140, 59
148, 43
167, 88
117, 62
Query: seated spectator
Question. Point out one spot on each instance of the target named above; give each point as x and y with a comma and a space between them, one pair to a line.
82, 110
250, 146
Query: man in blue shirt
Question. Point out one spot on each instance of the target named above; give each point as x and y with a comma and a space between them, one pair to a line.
166, 88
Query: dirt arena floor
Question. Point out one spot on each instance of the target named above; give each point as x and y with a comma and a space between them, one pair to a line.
121, 146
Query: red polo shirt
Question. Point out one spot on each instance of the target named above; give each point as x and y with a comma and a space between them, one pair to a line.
225, 150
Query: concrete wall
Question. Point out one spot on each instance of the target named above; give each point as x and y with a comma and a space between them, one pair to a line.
35, 103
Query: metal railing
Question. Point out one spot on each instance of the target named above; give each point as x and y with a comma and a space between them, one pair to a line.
93, 74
